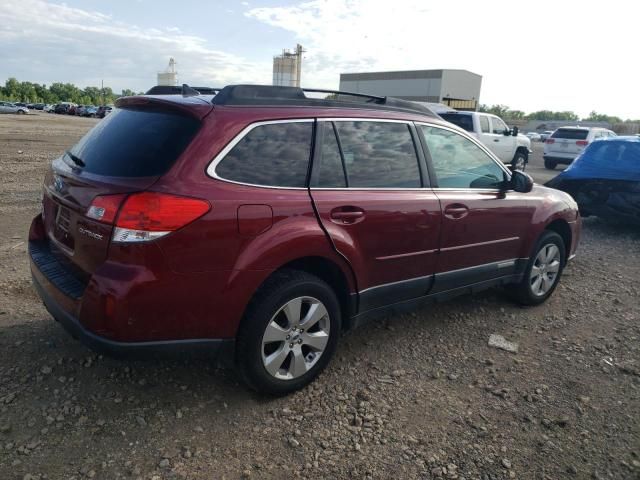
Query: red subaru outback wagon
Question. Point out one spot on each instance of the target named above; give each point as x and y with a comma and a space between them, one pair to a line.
260, 222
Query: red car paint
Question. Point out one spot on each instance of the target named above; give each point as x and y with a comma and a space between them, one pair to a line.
196, 282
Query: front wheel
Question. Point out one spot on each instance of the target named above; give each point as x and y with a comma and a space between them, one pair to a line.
543, 271
20, 112
519, 162
289, 333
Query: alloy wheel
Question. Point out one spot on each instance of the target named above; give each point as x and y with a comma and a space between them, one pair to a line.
295, 338
545, 269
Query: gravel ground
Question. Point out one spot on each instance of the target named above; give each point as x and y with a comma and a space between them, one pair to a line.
420, 395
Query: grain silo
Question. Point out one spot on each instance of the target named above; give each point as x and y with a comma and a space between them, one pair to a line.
287, 68
169, 76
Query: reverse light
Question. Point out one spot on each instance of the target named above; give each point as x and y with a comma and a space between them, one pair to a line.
549, 141
149, 215
582, 143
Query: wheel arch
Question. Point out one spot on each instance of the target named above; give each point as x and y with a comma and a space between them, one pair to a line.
331, 273
562, 228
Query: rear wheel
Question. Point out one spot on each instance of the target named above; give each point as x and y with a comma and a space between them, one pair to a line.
543, 271
550, 164
289, 333
20, 112
519, 162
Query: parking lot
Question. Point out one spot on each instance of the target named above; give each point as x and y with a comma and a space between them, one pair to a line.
420, 395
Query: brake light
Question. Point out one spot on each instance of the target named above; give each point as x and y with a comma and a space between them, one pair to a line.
105, 207
549, 141
150, 215
582, 143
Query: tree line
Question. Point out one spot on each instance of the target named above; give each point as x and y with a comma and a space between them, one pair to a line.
28, 92
504, 111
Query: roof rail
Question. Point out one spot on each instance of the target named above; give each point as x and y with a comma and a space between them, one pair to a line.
294, 96
184, 89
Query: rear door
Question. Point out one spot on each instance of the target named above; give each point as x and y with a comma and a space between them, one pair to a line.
124, 153
367, 187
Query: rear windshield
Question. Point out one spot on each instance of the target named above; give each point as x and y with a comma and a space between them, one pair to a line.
135, 143
571, 133
461, 120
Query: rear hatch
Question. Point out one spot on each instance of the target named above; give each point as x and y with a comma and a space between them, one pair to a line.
567, 141
124, 153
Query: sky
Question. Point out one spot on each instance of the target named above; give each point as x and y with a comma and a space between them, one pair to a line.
532, 55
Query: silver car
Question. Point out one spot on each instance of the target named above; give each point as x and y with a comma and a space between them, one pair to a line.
8, 107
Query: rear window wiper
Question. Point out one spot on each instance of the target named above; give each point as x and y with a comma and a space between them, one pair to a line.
75, 159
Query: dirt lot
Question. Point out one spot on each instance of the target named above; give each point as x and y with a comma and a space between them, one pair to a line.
414, 396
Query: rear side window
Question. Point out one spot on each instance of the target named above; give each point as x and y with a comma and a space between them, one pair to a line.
329, 163
571, 133
274, 155
461, 120
135, 143
378, 154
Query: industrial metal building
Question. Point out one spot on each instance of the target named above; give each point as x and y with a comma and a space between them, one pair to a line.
458, 89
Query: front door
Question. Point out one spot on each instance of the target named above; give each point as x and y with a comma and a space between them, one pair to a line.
483, 224
495, 140
367, 187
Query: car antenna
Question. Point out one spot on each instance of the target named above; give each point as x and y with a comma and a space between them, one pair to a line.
187, 91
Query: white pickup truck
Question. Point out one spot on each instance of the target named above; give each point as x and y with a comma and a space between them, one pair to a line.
491, 130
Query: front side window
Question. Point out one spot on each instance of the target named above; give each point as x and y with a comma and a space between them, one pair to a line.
484, 124
498, 126
274, 155
378, 154
460, 163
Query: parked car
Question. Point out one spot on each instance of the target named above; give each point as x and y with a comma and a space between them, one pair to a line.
103, 111
566, 143
21, 104
64, 107
505, 143
49, 108
260, 223
533, 136
89, 111
8, 107
546, 134
605, 179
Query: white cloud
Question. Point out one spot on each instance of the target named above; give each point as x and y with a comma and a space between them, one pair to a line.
532, 55
55, 42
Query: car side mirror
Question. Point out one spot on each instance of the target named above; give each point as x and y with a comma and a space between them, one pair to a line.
521, 182
506, 132
515, 131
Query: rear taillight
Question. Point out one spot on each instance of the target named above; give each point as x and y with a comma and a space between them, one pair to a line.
582, 143
549, 141
149, 215
105, 207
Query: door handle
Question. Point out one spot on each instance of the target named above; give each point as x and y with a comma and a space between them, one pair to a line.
456, 211
347, 215
496, 139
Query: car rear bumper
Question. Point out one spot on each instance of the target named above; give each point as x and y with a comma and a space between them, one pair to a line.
563, 158
213, 348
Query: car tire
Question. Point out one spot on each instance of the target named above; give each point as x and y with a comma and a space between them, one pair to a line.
550, 164
275, 353
20, 112
519, 161
543, 271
